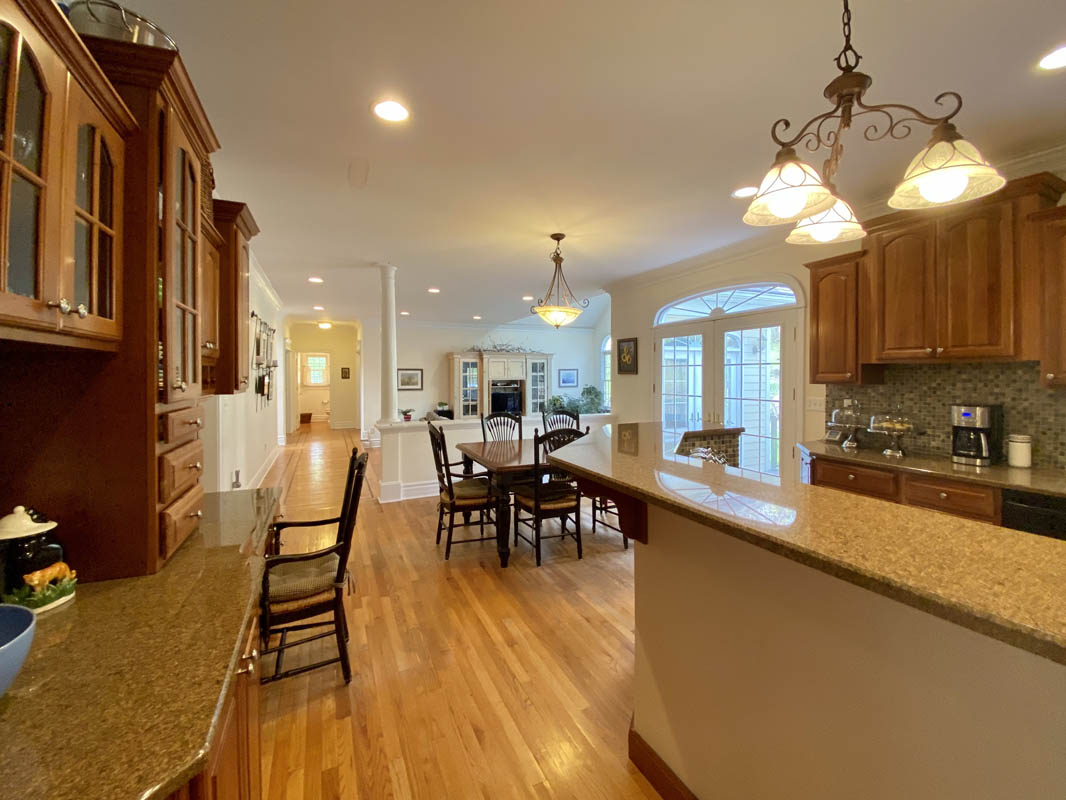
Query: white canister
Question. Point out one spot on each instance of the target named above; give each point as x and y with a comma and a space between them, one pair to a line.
1020, 450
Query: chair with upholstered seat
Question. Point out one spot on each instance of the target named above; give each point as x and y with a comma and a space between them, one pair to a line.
501, 426
473, 493
551, 495
301, 586
560, 418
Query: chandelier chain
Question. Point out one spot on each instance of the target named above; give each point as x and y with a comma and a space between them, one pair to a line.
848, 58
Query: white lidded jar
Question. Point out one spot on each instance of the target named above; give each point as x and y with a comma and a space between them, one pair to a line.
1020, 450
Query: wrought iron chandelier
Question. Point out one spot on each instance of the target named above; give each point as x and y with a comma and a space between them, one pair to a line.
947, 170
559, 307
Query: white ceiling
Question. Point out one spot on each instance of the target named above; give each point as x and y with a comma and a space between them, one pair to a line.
623, 123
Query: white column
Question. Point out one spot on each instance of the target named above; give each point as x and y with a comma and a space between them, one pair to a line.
389, 398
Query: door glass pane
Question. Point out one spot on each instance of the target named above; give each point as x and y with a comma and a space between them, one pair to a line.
107, 186
5, 57
752, 395
22, 237
191, 196
83, 267
190, 347
190, 272
105, 276
83, 170
179, 348
179, 265
179, 185
29, 115
682, 387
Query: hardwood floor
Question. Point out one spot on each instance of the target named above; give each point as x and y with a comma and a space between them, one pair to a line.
469, 681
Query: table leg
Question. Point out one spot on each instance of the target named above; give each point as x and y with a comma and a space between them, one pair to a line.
468, 469
503, 520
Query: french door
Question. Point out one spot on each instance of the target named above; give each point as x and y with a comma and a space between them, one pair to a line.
738, 371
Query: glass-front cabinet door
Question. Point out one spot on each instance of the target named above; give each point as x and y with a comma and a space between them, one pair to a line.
181, 307
538, 385
30, 149
92, 220
469, 387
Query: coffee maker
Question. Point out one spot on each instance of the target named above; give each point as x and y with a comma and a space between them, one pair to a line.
976, 434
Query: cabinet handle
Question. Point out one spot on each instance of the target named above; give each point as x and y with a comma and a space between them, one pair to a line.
929, 351
939, 350
63, 305
210, 345
943, 495
848, 375
1050, 376
851, 476
197, 465
197, 514
249, 668
198, 422
81, 310
181, 385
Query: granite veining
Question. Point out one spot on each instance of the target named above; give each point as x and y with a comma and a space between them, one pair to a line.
999, 582
1044, 480
121, 692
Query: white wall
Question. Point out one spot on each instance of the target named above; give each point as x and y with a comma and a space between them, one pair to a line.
601, 329
314, 400
342, 342
241, 431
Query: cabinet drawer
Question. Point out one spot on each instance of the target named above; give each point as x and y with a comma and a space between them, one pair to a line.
179, 469
980, 502
179, 519
881, 483
179, 425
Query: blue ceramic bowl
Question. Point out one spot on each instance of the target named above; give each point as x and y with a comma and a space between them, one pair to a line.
17, 625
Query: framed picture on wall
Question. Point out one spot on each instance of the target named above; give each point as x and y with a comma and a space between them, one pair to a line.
409, 380
346, 373
627, 356
568, 379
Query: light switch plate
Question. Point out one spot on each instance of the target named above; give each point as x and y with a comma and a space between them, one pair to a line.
816, 404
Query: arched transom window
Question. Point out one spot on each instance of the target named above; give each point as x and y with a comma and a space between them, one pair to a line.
728, 300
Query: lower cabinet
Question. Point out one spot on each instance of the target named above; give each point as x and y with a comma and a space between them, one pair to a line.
928, 491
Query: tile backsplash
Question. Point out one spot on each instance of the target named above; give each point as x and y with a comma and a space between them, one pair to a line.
927, 391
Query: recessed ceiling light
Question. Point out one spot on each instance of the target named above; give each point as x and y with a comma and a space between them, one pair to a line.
477, 316
1056, 59
325, 325
405, 313
745, 191
391, 111
318, 308
528, 298
315, 279
433, 290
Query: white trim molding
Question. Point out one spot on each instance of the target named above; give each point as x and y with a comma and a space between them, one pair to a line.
261, 473
395, 491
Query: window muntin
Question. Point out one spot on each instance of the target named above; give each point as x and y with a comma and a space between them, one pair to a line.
605, 361
728, 300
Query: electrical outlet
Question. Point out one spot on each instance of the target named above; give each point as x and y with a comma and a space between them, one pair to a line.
816, 404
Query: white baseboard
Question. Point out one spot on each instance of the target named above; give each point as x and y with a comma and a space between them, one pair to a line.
371, 440
394, 491
342, 426
261, 473
283, 439
320, 417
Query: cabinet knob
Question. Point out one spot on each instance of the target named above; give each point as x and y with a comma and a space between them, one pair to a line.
939, 350
249, 668
81, 310
196, 465
197, 514
848, 375
181, 385
198, 422
62, 304
1050, 376
929, 350
851, 476
943, 495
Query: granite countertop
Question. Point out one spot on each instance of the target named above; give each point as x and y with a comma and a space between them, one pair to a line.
120, 694
999, 582
1039, 480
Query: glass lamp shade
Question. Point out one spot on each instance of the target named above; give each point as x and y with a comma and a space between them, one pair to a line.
791, 191
838, 224
557, 315
944, 173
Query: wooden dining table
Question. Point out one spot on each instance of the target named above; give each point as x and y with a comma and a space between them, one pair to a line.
506, 462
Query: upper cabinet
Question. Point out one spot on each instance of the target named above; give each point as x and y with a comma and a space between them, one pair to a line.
62, 129
1050, 228
834, 310
236, 227
903, 282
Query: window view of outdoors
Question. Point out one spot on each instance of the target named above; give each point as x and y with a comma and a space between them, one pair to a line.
752, 392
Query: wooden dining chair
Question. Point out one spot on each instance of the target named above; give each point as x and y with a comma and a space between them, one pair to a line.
474, 492
501, 426
551, 495
301, 586
560, 418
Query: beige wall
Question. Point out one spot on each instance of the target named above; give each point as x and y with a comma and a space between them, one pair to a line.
314, 400
757, 677
342, 342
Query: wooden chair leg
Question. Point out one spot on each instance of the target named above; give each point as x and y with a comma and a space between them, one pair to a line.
595, 501
342, 643
440, 520
577, 527
536, 536
451, 528
515, 515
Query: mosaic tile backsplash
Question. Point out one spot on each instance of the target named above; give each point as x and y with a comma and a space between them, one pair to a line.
927, 392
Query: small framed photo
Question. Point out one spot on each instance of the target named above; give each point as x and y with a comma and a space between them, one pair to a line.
346, 373
409, 380
568, 379
627, 356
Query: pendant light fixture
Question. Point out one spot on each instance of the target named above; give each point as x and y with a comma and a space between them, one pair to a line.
948, 169
559, 307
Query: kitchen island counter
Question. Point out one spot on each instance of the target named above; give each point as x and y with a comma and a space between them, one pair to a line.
123, 686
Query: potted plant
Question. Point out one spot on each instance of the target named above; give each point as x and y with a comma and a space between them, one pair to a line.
406, 413
442, 404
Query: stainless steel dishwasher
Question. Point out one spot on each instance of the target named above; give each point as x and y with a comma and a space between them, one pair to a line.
1035, 513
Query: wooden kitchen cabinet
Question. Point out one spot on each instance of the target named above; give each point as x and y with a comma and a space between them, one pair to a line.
903, 277
210, 275
834, 310
1050, 226
236, 227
